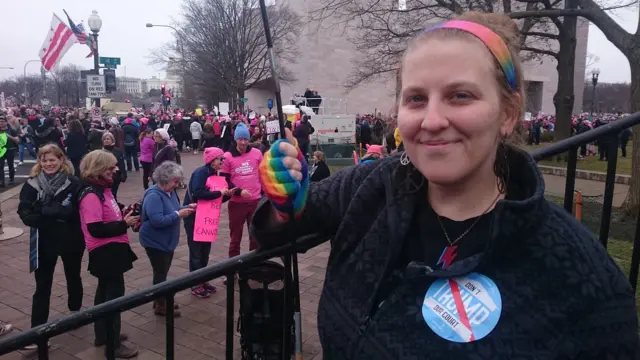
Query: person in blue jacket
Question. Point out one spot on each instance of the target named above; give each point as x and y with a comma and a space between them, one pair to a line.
197, 190
160, 230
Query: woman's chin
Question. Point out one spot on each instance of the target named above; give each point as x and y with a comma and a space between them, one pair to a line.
442, 174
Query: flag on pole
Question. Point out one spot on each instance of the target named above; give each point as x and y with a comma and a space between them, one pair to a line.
58, 41
81, 35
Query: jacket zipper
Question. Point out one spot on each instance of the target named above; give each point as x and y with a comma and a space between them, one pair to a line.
357, 343
375, 309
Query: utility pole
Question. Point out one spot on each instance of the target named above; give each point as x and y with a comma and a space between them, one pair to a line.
43, 72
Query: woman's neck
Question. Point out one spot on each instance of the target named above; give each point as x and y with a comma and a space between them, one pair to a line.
471, 198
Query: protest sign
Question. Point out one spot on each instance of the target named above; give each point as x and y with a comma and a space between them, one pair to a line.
208, 212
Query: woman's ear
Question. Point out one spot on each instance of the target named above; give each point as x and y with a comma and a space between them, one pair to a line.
511, 117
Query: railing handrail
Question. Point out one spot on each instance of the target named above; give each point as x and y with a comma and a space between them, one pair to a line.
613, 127
232, 265
141, 297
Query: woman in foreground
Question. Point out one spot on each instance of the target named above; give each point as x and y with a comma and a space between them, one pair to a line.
105, 234
450, 251
49, 206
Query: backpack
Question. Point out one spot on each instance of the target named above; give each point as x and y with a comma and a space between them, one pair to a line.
129, 140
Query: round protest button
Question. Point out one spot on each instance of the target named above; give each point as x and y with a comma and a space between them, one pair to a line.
462, 309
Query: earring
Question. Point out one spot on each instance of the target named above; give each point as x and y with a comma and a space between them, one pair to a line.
404, 159
501, 166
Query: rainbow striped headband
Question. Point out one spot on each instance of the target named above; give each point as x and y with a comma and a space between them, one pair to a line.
492, 41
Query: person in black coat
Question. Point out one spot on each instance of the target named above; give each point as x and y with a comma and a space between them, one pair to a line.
131, 145
48, 133
450, 250
301, 132
164, 150
49, 206
76, 143
319, 170
109, 144
624, 140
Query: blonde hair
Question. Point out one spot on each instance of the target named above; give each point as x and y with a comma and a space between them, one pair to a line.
54, 150
96, 163
507, 29
319, 155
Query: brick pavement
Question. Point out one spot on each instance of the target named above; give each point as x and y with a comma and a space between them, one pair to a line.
199, 333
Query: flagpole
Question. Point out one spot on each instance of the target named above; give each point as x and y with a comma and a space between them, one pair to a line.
290, 261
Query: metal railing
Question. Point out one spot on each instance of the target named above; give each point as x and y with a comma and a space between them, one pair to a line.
40, 335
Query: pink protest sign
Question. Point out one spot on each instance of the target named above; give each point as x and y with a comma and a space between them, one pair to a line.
208, 212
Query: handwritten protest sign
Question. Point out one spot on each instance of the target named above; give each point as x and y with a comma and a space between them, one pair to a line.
208, 212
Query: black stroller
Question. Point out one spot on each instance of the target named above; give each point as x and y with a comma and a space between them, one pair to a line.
261, 318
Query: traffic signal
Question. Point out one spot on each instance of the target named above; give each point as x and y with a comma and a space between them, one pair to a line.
162, 89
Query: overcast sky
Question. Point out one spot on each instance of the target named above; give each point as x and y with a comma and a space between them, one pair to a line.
123, 34
25, 24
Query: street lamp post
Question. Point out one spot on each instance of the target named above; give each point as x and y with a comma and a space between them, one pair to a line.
6, 68
181, 44
25, 78
95, 23
594, 80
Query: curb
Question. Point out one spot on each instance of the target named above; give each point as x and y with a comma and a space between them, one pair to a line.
582, 174
10, 193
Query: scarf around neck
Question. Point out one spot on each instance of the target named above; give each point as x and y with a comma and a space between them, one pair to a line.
51, 184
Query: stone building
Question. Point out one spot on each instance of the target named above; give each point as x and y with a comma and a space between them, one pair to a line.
326, 60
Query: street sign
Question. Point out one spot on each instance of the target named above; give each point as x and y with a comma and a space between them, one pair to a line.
95, 86
96, 114
270, 104
244, 100
110, 62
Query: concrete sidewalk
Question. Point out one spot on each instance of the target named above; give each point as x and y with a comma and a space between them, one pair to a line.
554, 185
199, 333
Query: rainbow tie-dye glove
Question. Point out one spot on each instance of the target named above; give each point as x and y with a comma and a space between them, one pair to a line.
287, 195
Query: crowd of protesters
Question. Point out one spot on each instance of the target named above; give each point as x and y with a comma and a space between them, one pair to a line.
70, 202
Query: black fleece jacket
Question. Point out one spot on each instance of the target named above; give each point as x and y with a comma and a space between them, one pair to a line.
543, 288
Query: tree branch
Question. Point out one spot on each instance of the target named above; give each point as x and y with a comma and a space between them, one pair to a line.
540, 51
541, 34
592, 12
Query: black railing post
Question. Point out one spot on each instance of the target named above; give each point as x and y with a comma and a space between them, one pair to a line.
230, 315
43, 349
170, 327
607, 204
570, 184
110, 349
635, 256
287, 306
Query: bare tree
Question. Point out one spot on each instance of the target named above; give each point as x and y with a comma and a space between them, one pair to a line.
380, 29
590, 62
67, 82
224, 47
612, 97
34, 88
626, 42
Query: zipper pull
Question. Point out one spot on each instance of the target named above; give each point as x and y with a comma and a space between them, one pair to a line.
364, 326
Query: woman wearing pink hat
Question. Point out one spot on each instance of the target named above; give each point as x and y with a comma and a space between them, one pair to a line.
374, 152
197, 190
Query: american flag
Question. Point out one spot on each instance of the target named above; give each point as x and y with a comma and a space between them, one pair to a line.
80, 34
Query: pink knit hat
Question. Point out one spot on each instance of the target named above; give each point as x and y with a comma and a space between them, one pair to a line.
212, 153
375, 149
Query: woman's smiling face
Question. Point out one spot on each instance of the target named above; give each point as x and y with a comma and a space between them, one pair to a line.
450, 114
